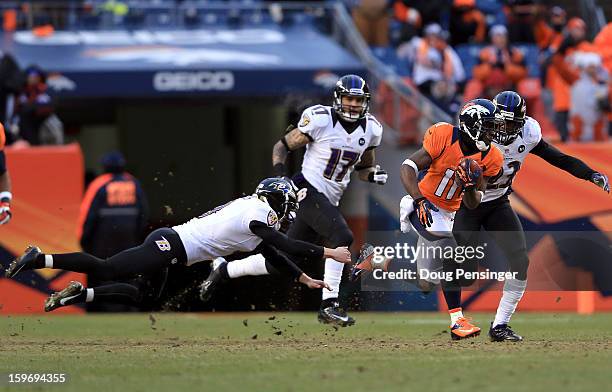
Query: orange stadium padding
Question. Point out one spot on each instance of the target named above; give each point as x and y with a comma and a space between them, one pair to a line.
47, 191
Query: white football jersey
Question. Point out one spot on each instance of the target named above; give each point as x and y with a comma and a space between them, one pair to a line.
333, 153
225, 230
514, 155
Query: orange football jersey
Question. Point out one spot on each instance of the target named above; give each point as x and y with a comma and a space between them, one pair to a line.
441, 141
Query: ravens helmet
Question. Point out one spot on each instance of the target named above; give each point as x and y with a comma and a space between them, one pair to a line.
280, 195
352, 86
478, 121
513, 110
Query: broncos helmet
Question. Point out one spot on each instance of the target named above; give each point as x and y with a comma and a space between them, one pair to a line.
512, 109
479, 121
355, 86
280, 195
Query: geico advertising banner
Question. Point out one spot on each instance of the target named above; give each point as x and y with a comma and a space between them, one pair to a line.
247, 62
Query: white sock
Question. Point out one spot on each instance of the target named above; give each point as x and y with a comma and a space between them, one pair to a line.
48, 261
90, 295
332, 276
513, 292
252, 265
455, 315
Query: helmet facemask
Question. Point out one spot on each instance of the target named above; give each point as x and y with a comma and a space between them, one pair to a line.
510, 131
483, 131
345, 112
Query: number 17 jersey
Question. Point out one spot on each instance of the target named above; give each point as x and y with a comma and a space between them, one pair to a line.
332, 153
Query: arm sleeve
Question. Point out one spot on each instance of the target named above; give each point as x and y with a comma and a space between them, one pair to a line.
572, 165
283, 243
280, 263
377, 132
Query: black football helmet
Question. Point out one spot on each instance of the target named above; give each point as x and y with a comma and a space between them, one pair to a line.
355, 86
281, 196
512, 108
479, 121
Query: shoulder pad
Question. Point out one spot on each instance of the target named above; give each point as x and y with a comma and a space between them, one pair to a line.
319, 115
532, 132
375, 126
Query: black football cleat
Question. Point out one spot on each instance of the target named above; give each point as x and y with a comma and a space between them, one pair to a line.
24, 262
213, 281
331, 313
503, 333
68, 296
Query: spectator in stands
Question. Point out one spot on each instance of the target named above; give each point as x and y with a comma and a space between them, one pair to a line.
501, 66
603, 46
549, 33
467, 23
113, 214
11, 82
34, 121
438, 71
589, 100
520, 17
562, 72
410, 19
372, 18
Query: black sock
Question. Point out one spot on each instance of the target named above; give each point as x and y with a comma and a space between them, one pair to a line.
223, 271
452, 294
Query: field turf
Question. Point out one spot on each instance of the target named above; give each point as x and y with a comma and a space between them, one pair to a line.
292, 352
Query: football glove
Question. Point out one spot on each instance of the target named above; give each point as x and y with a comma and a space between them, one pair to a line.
423, 208
601, 180
378, 176
5, 212
465, 174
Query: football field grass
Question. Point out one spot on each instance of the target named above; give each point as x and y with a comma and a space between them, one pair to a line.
292, 352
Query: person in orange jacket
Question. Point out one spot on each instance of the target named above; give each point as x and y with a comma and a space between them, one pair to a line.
563, 72
603, 46
467, 23
501, 66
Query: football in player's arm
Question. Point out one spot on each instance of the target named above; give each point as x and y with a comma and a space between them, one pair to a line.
5, 183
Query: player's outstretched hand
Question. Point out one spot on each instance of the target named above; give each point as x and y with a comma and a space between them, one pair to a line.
341, 254
601, 180
313, 283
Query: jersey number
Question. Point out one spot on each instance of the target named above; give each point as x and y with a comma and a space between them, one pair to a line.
350, 157
515, 166
448, 176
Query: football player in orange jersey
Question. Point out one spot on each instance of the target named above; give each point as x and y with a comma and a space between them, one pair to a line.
5, 183
439, 194
459, 160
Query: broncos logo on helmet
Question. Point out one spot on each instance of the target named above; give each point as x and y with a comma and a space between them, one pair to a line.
479, 121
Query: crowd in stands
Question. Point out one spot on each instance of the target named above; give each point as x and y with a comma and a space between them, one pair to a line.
27, 108
456, 50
